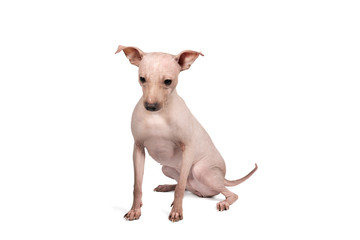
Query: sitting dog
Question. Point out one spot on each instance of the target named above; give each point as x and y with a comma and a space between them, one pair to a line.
162, 123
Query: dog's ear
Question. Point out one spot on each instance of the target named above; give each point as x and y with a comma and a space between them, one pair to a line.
132, 53
186, 58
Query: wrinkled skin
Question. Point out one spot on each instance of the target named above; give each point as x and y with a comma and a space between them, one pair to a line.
163, 124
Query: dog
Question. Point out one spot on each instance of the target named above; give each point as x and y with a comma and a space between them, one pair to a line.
162, 123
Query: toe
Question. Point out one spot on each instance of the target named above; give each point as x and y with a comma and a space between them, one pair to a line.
164, 188
132, 215
227, 206
222, 206
175, 217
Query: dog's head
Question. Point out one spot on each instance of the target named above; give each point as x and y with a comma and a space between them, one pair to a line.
158, 73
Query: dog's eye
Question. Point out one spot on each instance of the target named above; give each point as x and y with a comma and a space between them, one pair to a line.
167, 82
142, 79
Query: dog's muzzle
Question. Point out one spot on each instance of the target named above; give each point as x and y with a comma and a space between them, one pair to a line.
152, 107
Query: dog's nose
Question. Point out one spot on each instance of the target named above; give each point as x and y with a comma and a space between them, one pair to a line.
152, 107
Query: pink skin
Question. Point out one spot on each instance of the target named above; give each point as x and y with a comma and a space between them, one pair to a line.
163, 124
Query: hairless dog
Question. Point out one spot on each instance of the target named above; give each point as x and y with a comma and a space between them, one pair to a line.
162, 123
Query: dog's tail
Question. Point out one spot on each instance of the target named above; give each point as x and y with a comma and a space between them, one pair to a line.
238, 181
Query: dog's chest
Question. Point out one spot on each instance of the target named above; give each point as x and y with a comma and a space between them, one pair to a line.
159, 138
153, 126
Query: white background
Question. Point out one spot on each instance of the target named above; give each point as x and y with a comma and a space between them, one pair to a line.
278, 85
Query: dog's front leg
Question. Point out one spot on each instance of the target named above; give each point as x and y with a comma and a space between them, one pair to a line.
139, 160
176, 213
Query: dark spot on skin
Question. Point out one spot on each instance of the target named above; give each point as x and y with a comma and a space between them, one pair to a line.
182, 146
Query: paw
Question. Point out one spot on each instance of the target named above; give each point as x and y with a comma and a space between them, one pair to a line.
176, 214
133, 214
222, 206
165, 188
